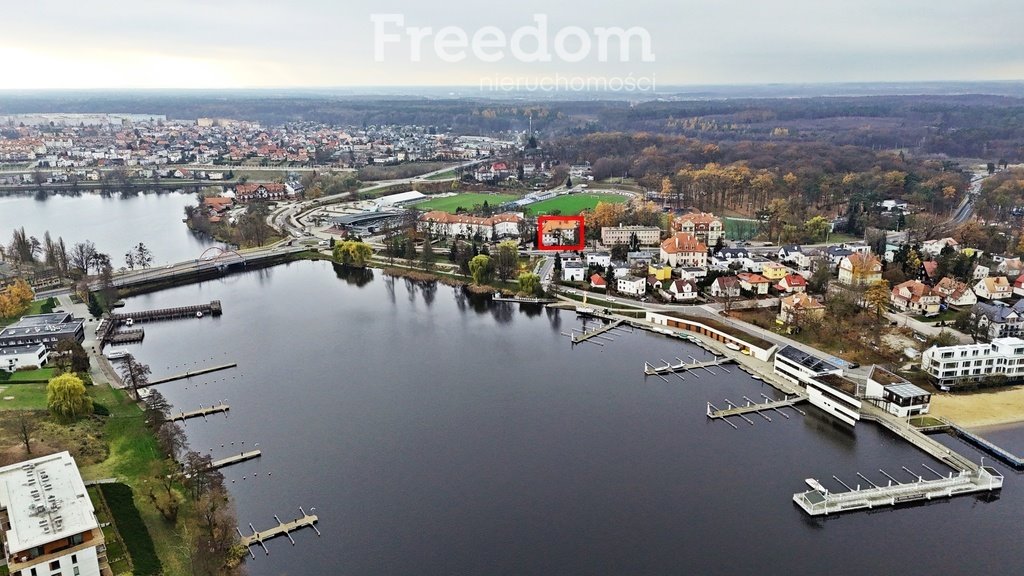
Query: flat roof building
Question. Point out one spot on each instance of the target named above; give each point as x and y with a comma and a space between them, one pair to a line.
971, 363
13, 358
49, 524
46, 329
799, 367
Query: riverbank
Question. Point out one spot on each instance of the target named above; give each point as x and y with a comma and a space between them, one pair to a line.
993, 407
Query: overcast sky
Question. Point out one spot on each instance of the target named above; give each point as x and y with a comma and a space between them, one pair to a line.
331, 43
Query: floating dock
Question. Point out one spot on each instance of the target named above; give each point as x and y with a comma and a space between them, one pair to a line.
126, 336
203, 412
1005, 456
213, 309
818, 502
577, 339
191, 373
940, 452
651, 370
752, 406
240, 457
282, 529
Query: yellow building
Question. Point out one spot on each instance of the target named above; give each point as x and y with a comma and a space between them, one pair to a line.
774, 271
659, 271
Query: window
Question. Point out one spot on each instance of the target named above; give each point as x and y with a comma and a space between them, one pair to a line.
74, 558
55, 565
76, 539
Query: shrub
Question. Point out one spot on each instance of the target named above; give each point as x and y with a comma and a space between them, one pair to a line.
132, 529
100, 410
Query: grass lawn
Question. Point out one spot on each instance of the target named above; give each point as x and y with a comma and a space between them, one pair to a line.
117, 555
25, 396
572, 204
465, 200
446, 175
947, 316
27, 376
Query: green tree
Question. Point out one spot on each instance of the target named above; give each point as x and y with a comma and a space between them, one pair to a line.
67, 399
529, 283
507, 259
72, 357
427, 255
481, 269
817, 228
353, 253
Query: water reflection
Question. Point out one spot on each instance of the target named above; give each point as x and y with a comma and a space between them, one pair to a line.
358, 277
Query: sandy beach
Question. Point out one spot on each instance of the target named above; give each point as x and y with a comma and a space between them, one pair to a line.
981, 409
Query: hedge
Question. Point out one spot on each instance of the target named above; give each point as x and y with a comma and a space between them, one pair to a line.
132, 529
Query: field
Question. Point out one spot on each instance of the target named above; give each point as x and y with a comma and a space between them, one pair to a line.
740, 229
572, 204
466, 201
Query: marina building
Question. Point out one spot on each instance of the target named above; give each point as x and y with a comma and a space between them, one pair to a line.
895, 394
46, 329
799, 367
836, 395
49, 525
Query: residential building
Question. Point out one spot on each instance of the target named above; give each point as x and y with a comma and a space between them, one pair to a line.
930, 271
440, 223
693, 273
999, 320
631, 285
251, 191
620, 269
659, 271
641, 258
596, 281
13, 358
49, 524
684, 249
859, 269
792, 283
602, 259
934, 248
755, 263
683, 290
951, 366
753, 283
799, 307
725, 287
573, 271
895, 393
835, 254
705, 227
1010, 266
731, 254
46, 329
774, 271
956, 293
794, 255
914, 296
993, 288
1018, 285
799, 367
645, 235
980, 272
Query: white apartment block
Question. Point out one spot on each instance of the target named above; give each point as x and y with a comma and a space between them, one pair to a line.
949, 366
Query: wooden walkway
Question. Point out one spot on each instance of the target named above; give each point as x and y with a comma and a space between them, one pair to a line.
939, 451
818, 502
222, 407
577, 339
126, 336
1007, 457
282, 529
213, 309
191, 373
240, 457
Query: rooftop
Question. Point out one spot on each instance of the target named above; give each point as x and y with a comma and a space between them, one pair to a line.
838, 382
45, 500
885, 377
907, 390
806, 360
15, 350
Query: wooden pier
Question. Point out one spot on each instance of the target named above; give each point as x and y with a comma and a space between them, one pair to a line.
203, 412
213, 309
752, 406
126, 336
819, 502
282, 529
1005, 456
577, 339
651, 370
940, 452
240, 457
191, 373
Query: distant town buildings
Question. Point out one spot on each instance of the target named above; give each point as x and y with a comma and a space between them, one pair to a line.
645, 235
439, 223
705, 227
684, 249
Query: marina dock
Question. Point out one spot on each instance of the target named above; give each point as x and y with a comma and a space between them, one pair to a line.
282, 529
940, 452
240, 457
203, 412
754, 407
126, 336
651, 370
212, 309
1005, 456
577, 339
819, 502
191, 373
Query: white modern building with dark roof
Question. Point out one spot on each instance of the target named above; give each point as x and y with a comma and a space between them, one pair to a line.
49, 525
950, 366
799, 367
46, 329
896, 394
13, 358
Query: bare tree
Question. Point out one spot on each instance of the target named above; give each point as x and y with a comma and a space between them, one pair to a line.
134, 374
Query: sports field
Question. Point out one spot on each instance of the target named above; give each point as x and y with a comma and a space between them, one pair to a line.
572, 204
466, 200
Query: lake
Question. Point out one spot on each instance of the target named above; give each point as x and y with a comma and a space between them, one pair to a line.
115, 223
439, 434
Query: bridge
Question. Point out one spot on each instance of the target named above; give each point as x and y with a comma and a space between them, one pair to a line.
212, 262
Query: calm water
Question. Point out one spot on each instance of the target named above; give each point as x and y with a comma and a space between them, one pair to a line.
114, 223
438, 436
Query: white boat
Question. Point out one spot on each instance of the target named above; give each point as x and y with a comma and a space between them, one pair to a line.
815, 485
116, 354
732, 346
129, 321
199, 314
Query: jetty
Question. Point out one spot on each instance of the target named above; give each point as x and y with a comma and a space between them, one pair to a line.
126, 336
949, 427
500, 298
821, 502
202, 412
668, 368
751, 406
240, 457
191, 373
903, 429
585, 336
213, 309
282, 529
